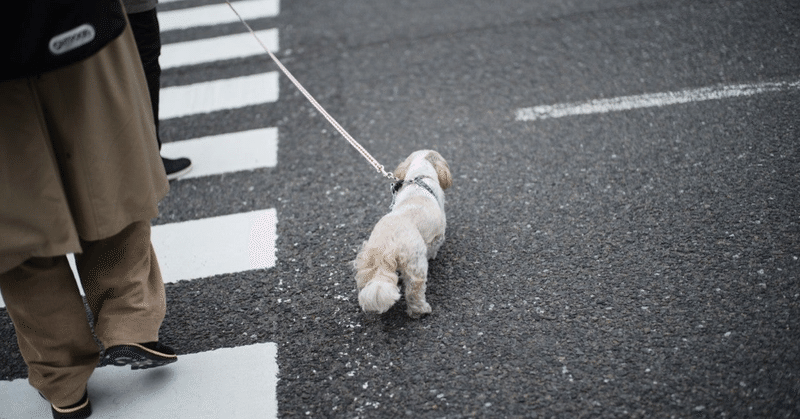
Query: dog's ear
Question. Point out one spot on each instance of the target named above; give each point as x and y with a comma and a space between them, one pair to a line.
442, 169
402, 169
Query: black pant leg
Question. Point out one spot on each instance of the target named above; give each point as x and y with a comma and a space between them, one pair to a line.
148, 41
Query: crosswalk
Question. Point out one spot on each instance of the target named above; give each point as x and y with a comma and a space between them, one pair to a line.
216, 14
226, 153
218, 245
227, 47
202, 385
225, 382
217, 95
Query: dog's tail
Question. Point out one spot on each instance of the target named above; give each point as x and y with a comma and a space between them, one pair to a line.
376, 277
378, 296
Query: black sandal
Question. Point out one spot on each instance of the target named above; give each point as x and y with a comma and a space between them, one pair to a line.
80, 410
139, 355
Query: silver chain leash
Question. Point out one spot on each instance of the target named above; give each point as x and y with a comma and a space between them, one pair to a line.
320, 109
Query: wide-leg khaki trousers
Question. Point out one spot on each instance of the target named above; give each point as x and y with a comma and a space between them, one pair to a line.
124, 291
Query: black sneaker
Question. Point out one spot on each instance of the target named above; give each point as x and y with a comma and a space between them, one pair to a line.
176, 168
80, 410
139, 355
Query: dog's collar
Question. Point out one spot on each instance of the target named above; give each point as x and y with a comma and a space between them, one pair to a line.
417, 181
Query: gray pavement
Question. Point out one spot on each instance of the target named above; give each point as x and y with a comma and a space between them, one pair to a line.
627, 264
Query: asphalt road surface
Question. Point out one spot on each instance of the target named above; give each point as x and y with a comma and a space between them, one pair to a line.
622, 263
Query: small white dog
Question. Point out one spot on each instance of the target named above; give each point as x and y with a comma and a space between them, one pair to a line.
405, 238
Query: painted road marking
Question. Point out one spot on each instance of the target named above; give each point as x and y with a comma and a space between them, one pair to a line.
651, 100
218, 95
236, 382
217, 245
216, 14
217, 49
212, 246
226, 153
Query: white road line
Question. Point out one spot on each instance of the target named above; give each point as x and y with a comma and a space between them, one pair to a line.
225, 153
217, 49
218, 95
236, 382
216, 14
212, 246
217, 245
651, 100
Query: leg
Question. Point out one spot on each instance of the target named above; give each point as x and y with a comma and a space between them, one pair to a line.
123, 286
52, 328
437, 243
148, 41
414, 277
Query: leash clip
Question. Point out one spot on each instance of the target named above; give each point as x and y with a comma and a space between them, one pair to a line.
396, 186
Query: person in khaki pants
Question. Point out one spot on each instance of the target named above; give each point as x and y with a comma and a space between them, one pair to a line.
80, 172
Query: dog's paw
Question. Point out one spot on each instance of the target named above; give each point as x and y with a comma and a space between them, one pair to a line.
419, 310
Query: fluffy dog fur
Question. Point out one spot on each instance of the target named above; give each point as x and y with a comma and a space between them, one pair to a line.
405, 238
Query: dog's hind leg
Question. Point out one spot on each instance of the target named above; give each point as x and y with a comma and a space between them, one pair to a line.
414, 278
435, 245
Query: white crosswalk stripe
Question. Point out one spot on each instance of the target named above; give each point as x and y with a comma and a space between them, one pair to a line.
216, 14
226, 153
228, 47
212, 246
201, 385
218, 95
236, 382
217, 245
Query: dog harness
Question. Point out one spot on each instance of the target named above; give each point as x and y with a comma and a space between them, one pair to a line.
396, 186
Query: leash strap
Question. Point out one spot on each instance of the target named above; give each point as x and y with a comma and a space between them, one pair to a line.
320, 109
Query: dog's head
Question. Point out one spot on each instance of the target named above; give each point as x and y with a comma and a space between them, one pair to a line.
420, 163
